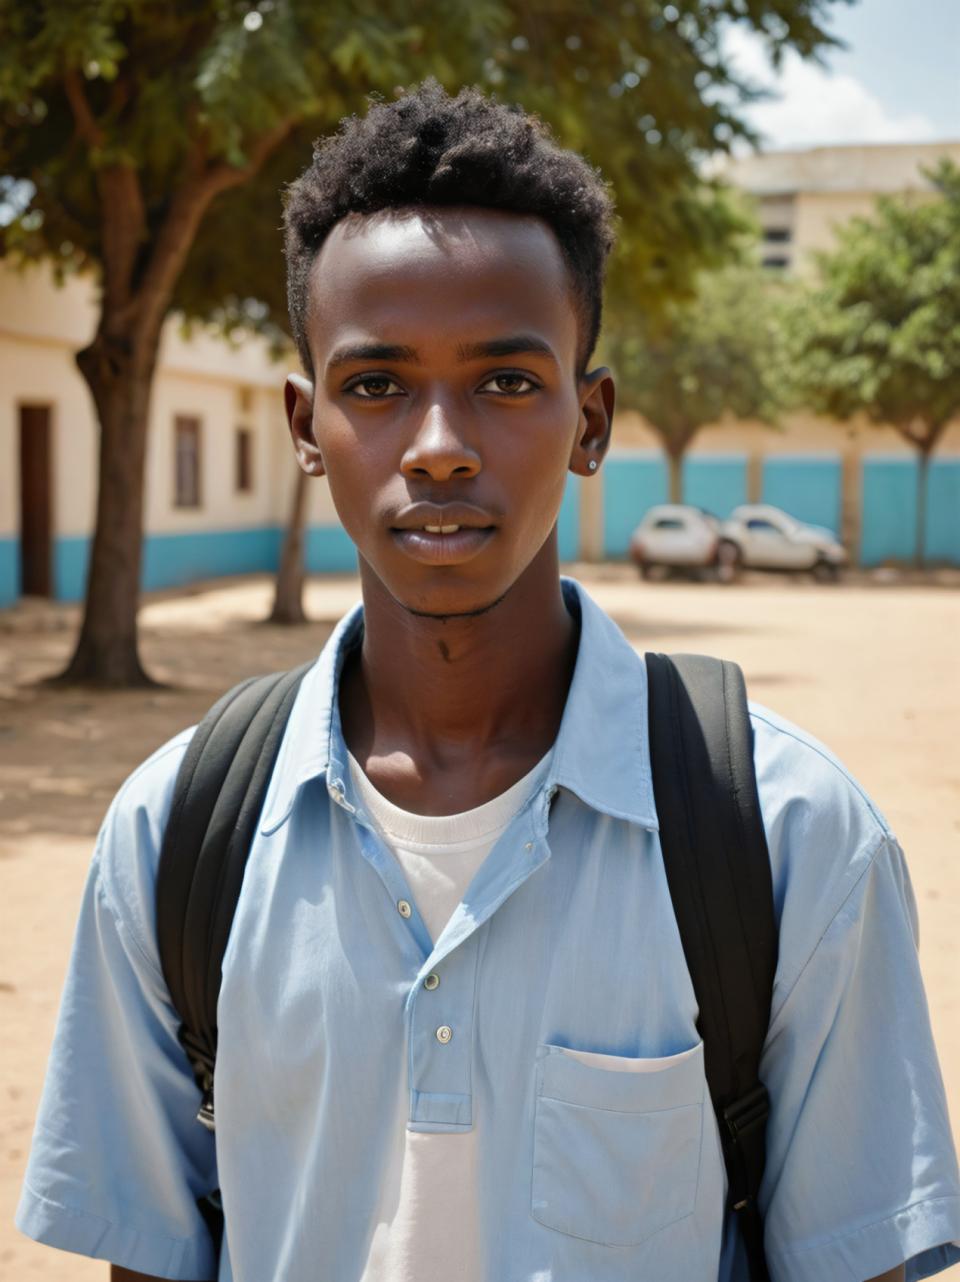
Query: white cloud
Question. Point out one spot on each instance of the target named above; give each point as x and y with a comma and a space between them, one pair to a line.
814, 106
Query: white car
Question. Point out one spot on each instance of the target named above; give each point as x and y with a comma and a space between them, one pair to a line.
676, 535
767, 538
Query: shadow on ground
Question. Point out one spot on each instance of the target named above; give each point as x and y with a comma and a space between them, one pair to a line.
64, 752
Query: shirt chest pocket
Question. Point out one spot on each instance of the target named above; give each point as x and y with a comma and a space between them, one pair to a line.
616, 1152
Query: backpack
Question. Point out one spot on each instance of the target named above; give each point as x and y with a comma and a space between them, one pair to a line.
715, 855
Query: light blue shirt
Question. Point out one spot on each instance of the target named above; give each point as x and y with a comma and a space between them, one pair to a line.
565, 939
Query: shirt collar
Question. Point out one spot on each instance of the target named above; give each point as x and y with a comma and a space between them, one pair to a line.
602, 749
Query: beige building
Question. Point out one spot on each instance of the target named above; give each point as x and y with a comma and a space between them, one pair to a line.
803, 196
219, 471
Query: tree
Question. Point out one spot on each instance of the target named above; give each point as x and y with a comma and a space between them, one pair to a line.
288, 589
720, 352
147, 142
880, 335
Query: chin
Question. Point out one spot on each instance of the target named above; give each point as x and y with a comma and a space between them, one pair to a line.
439, 600
452, 612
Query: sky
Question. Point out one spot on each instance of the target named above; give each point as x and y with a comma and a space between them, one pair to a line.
898, 80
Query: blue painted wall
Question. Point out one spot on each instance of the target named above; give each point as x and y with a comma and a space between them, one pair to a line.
631, 484
170, 560
809, 488
717, 483
9, 570
568, 521
71, 556
173, 560
890, 510
329, 550
943, 511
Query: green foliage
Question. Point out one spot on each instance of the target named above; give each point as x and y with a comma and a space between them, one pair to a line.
880, 335
720, 353
641, 86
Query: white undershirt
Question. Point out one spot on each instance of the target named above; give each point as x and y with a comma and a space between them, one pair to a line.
426, 1223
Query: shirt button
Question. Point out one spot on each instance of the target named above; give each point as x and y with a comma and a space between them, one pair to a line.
528, 846
431, 982
403, 908
444, 1033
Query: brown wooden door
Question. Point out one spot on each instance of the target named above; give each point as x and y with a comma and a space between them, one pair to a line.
35, 500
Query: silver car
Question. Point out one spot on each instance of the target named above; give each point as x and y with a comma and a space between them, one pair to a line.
767, 538
678, 536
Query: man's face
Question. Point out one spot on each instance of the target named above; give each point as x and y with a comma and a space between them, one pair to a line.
446, 395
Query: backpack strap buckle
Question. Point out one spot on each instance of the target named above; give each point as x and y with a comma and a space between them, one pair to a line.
205, 1114
748, 1112
744, 1125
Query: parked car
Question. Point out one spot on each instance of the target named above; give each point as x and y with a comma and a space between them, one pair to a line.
767, 538
678, 536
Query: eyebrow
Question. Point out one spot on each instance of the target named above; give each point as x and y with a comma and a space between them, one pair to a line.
512, 345
372, 352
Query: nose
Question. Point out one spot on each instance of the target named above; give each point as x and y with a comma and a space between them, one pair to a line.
437, 450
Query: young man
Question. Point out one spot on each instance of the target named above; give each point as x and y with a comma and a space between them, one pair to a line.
457, 1035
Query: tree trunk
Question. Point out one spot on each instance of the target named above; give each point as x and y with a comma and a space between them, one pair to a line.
923, 472
288, 594
675, 465
107, 650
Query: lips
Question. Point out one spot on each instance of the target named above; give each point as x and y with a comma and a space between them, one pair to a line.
461, 544
442, 534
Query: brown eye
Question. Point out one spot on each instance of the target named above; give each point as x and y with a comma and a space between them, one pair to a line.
374, 387
509, 384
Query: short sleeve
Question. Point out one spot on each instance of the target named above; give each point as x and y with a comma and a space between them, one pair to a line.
861, 1172
118, 1159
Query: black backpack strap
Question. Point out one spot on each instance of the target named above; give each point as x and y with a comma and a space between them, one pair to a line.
718, 872
217, 800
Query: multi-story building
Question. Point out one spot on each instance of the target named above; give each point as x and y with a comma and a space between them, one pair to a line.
801, 197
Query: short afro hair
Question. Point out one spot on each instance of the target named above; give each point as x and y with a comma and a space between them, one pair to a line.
427, 149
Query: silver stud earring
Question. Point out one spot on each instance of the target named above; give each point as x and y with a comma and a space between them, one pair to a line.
592, 465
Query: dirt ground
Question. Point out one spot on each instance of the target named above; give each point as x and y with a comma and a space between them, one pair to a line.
872, 669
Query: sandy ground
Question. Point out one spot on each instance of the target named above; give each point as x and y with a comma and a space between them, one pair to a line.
873, 670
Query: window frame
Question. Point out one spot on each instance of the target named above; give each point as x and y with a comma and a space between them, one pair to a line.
185, 425
243, 469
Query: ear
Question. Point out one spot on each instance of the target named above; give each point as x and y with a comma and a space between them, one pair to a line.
298, 402
597, 396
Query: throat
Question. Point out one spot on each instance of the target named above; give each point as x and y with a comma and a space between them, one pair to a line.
445, 715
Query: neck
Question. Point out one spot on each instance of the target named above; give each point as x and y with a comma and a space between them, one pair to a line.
439, 690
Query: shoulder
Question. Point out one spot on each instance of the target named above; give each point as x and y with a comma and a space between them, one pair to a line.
130, 838
823, 831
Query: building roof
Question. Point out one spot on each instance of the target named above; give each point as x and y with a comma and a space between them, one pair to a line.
875, 168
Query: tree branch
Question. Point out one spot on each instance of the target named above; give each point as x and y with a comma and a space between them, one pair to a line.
190, 202
123, 216
124, 224
919, 432
87, 127
227, 176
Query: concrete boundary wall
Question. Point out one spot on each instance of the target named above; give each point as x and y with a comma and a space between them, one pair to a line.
890, 510
809, 486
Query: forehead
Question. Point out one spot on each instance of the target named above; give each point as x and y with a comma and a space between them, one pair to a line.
427, 278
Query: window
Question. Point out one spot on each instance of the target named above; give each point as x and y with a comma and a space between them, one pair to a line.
668, 523
243, 461
775, 262
186, 444
776, 235
758, 523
